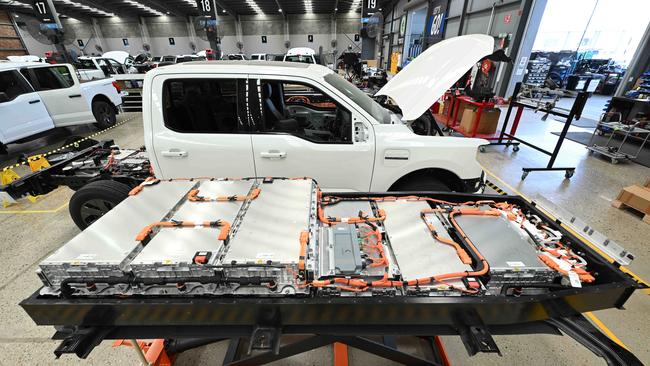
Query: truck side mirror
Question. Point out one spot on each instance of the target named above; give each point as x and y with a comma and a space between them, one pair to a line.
3, 97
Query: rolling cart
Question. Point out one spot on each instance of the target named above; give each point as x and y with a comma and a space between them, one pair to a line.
613, 151
550, 109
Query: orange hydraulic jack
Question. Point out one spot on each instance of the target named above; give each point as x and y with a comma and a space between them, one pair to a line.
150, 353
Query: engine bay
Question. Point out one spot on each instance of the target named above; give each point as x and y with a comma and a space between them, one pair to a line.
279, 237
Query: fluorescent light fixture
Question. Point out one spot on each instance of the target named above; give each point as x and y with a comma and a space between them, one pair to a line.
255, 7
309, 8
190, 2
91, 9
144, 7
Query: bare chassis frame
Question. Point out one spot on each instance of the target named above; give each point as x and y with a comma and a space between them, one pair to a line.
82, 323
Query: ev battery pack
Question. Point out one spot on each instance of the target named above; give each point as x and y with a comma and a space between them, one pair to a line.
510, 251
101, 249
171, 251
270, 229
417, 253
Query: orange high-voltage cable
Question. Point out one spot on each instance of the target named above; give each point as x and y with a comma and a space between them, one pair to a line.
193, 196
223, 234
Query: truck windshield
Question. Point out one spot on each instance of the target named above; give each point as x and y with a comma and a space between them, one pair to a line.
299, 58
368, 104
85, 64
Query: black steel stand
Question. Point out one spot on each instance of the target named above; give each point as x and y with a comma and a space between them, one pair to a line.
386, 348
575, 112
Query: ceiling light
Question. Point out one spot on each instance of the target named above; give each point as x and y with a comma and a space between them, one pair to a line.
280, 10
191, 3
308, 6
86, 8
143, 7
253, 5
223, 11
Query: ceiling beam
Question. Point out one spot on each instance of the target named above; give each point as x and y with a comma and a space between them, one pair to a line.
227, 8
172, 10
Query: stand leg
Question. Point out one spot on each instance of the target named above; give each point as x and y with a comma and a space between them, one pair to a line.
340, 354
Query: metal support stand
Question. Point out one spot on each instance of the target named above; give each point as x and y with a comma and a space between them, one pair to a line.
575, 112
385, 349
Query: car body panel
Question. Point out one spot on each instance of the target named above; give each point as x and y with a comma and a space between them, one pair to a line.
434, 71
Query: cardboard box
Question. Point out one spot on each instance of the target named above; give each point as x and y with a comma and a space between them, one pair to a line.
636, 197
371, 63
487, 125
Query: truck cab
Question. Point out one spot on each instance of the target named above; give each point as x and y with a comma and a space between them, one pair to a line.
240, 118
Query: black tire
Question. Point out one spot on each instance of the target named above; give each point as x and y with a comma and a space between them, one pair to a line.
104, 113
94, 200
421, 184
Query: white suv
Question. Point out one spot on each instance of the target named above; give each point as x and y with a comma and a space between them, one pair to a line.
239, 118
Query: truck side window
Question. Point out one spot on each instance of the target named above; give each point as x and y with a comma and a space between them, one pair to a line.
303, 111
53, 77
202, 105
13, 85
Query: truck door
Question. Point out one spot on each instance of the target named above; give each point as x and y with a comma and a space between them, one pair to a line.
199, 126
303, 131
59, 89
21, 109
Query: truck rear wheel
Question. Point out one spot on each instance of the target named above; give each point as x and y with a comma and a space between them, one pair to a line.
104, 113
94, 200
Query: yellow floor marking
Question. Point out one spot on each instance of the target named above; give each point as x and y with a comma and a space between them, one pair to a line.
18, 212
604, 329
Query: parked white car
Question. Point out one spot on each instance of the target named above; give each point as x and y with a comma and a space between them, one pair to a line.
90, 68
243, 119
261, 57
36, 98
301, 54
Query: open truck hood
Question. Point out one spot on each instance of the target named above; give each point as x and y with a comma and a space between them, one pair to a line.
435, 70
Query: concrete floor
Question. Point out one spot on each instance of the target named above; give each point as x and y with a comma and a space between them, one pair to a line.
33, 231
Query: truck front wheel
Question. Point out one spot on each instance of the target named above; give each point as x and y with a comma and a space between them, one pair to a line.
104, 113
94, 200
421, 184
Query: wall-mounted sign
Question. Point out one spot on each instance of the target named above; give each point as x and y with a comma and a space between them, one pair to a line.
172, 41
402, 26
206, 7
125, 41
80, 42
507, 18
43, 11
369, 8
437, 20
263, 39
310, 38
356, 38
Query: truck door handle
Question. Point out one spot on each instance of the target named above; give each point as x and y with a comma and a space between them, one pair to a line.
273, 154
174, 153
34, 101
74, 96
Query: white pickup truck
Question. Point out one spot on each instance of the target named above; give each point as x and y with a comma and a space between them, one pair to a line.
36, 98
255, 118
91, 68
